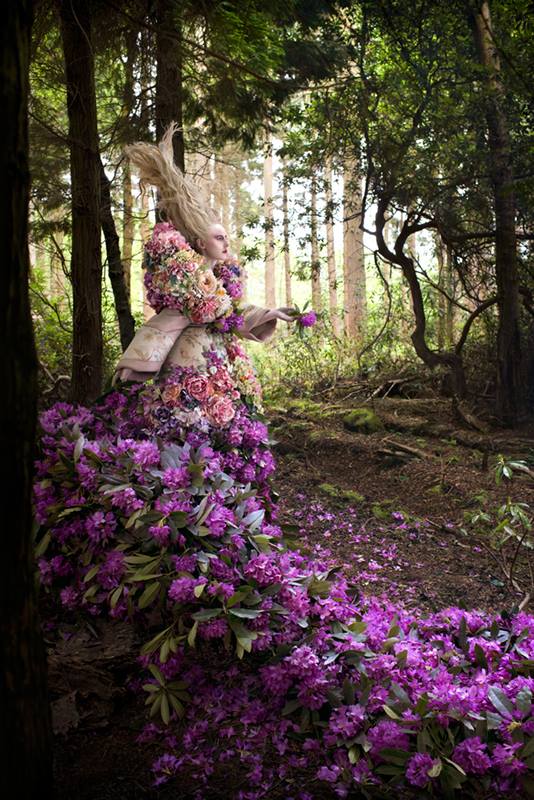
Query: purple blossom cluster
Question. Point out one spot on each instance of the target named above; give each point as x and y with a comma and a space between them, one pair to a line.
359, 692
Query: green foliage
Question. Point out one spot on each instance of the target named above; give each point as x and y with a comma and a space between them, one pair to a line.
52, 321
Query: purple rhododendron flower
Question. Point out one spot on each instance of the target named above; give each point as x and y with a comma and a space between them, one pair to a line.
308, 319
418, 767
472, 756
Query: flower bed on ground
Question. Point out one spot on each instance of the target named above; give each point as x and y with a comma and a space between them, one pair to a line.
354, 693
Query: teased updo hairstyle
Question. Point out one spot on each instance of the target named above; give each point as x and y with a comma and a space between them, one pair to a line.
180, 198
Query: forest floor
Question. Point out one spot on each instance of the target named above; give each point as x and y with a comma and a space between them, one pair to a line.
388, 506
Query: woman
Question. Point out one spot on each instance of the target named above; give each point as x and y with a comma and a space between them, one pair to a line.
177, 454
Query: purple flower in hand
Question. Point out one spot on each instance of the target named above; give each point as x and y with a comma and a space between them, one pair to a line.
308, 319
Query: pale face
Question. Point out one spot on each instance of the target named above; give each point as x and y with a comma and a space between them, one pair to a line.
215, 244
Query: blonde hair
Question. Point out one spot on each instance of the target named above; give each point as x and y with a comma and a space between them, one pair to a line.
180, 198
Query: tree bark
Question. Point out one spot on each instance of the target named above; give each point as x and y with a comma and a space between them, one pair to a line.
287, 249
354, 285
452, 360
331, 253
127, 218
115, 266
510, 388
270, 280
169, 75
25, 720
85, 181
317, 297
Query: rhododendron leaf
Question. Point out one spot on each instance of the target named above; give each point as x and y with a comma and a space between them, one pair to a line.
238, 596
151, 517
389, 769
480, 657
144, 576
390, 713
150, 687
91, 591
43, 544
164, 651
115, 595
67, 511
138, 558
274, 588
191, 636
527, 750
132, 519
178, 519
499, 700
165, 712
207, 613
435, 770
240, 630
456, 766
334, 697
354, 754
91, 573
177, 706
318, 587
151, 645
524, 701
348, 692
253, 520
149, 594
400, 693
493, 720
199, 588
156, 705
239, 649
263, 542
422, 704
395, 755
245, 613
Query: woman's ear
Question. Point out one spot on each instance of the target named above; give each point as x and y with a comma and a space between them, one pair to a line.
201, 244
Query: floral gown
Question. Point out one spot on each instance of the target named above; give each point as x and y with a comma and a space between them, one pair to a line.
170, 471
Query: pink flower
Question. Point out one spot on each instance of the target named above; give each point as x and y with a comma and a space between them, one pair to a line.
198, 387
220, 410
205, 311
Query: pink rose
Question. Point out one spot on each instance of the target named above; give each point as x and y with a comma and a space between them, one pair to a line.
207, 282
198, 387
220, 410
205, 311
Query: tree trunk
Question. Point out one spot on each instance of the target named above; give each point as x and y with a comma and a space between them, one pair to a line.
317, 298
25, 721
115, 267
270, 281
396, 255
169, 75
85, 181
510, 389
354, 284
128, 105
287, 251
330, 252
148, 311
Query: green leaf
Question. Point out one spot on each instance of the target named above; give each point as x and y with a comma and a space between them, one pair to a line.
43, 544
165, 713
157, 674
191, 636
245, 613
149, 595
500, 702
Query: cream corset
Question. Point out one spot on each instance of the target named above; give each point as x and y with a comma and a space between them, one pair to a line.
187, 350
